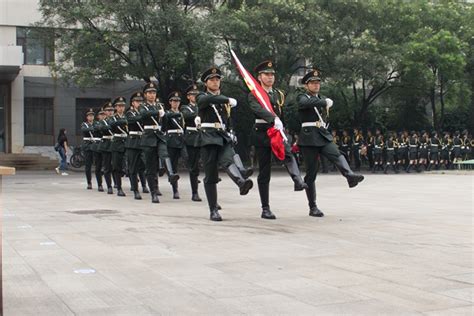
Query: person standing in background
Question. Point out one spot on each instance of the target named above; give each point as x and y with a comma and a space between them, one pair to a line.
62, 150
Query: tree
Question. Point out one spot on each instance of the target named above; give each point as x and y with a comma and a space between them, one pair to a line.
115, 40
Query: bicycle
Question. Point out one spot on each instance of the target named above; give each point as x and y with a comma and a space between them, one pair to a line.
77, 159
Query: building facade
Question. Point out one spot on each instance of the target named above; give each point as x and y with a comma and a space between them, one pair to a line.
33, 104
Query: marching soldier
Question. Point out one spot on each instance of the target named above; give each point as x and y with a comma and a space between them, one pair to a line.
356, 146
337, 141
173, 124
135, 161
105, 144
370, 148
214, 139
412, 151
190, 112
446, 150
97, 134
87, 129
314, 139
378, 150
434, 144
154, 140
263, 121
346, 145
391, 144
466, 143
118, 122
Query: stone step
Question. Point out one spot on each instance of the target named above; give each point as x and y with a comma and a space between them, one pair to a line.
28, 161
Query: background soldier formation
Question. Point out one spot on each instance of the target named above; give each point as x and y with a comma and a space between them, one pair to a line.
403, 151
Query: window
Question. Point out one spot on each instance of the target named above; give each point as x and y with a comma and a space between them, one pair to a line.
82, 105
39, 122
38, 45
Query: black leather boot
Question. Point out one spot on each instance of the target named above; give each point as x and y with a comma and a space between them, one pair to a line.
292, 167
385, 169
110, 190
267, 213
311, 195
161, 168
244, 184
211, 194
89, 186
100, 188
120, 192
175, 191
246, 173
408, 168
136, 195
264, 193
194, 188
353, 179
172, 177
154, 197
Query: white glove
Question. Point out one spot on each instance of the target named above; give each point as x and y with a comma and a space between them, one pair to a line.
197, 120
278, 124
329, 103
232, 102
161, 113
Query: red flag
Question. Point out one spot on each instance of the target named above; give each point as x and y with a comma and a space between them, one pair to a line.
276, 137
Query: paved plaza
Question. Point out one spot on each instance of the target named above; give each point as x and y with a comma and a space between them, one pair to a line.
394, 245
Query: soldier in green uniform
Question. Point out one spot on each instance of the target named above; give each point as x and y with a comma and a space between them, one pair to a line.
105, 145
97, 133
134, 155
173, 125
87, 129
434, 145
357, 143
370, 148
378, 150
390, 147
154, 140
214, 138
118, 122
412, 151
314, 138
345, 148
263, 121
190, 112
446, 144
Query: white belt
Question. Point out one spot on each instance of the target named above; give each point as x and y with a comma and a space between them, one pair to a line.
175, 131
96, 138
457, 145
107, 137
191, 128
390, 148
120, 135
314, 124
378, 147
212, 125
434, 145
413, 145
153, 127
135, 133
261, 121
88, 138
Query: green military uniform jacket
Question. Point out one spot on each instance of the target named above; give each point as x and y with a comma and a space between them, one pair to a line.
277, 100
191, 134
150, 116
106, 129
119, 127
87, 130
135, 129
208, 105
174, 121
312, 135
97, 135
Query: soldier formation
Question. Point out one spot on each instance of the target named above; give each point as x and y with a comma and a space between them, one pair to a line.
403, 151
150, 141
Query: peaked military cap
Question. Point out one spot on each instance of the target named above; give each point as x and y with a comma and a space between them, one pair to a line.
119, 101
174, 96
107, 105
101, 111
90, 111
313, 75
266, 67
211, 73
150, 87
192, 89
137, 96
